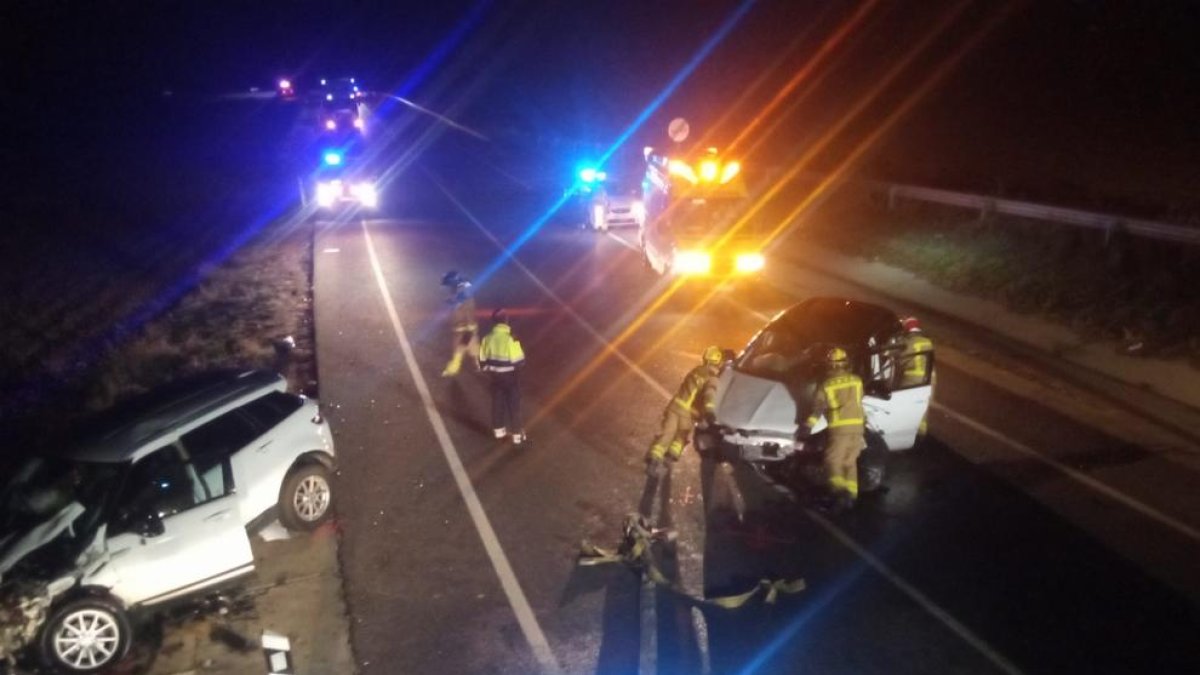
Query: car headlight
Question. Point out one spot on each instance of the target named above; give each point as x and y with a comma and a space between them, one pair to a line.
327, 193
693, 262
330, 125
639, 211
749, 262
358, 123
365, 194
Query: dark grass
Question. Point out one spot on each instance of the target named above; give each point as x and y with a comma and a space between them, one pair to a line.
1107, 285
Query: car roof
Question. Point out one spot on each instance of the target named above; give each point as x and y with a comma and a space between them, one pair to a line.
837, 321
116, 434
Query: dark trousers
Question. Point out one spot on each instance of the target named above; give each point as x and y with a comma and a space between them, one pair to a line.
506, 402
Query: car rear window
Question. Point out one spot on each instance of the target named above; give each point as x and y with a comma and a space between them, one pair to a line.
269, 410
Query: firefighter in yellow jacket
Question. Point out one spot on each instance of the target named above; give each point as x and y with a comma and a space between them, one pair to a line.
694, 400
915, 363
839, 400
503, 358
465, 331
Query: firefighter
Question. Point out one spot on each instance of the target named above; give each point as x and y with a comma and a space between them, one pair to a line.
694, 400
502, 359
839, 399
914, 362
465, 332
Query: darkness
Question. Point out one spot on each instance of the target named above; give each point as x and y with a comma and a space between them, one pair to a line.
1093, 99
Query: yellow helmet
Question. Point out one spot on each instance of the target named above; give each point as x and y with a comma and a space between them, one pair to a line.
713, 356
837, 357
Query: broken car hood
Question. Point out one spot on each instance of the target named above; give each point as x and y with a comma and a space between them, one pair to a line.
755, 404
16, 545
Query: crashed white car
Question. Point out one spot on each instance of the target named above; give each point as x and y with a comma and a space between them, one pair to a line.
153, 506
767, 390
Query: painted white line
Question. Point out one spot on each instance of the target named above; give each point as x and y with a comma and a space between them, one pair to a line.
508, 579
1074, 474
621, 240
915, 595
637, 370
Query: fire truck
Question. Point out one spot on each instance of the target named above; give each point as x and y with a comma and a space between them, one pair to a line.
693, 225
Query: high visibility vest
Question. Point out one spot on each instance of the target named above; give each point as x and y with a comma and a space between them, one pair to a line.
500, 352
915, 359
463, 319
839, 399
700, 383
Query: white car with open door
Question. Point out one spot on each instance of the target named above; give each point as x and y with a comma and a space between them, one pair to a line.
153, 505
767, 390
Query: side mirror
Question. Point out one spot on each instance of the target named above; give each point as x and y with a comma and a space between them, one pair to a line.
148, 525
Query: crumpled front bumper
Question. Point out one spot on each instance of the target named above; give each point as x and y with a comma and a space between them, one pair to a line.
24, 607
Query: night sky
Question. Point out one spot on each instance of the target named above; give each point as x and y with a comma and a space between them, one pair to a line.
1087, 99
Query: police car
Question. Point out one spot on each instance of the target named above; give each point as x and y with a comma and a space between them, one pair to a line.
342, 181
765, 391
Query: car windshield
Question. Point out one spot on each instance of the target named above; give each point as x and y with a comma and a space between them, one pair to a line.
703, 218
778, 354
45, 485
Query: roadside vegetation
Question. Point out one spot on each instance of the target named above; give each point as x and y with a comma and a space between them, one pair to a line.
1139, 292
238, 315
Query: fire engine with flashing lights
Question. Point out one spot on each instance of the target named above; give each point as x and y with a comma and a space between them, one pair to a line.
693, 225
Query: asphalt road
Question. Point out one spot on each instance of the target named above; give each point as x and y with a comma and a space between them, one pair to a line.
979, 558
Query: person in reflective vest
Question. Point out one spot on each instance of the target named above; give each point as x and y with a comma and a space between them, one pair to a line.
839, 400
915, 362
695, 399
502, 359
464, 334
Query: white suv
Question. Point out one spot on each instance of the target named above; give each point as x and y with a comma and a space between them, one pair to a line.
152, 507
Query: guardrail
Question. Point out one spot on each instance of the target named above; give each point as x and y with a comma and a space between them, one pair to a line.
1109, 223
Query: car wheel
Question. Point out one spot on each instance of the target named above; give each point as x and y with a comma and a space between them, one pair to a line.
306, 499
872, 465
86, 635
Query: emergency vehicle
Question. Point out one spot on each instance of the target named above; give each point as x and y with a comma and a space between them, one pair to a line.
693, 223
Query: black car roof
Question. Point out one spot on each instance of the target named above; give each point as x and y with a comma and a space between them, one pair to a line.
115, 434
837, 321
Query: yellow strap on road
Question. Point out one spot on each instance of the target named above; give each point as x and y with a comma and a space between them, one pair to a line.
635, 551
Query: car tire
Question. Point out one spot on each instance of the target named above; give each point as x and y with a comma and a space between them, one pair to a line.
85, 635
306, 498
872, 465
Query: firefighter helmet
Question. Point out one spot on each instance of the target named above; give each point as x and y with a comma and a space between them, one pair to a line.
453, 279
713, 356
837, 358
910, 324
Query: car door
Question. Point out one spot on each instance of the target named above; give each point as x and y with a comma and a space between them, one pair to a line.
278, 441
235, 437
201, 541
895, 408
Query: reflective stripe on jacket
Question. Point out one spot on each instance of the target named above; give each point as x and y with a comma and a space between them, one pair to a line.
840, 400
463, 319
915, 358
700, 383
500, 352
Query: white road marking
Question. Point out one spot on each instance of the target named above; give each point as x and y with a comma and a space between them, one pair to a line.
1074, 474
508, 579
915, 595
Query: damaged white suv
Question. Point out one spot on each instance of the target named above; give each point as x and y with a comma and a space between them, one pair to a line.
153, 506
764, 392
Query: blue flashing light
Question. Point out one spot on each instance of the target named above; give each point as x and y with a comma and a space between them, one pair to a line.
333, 158
587, 175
